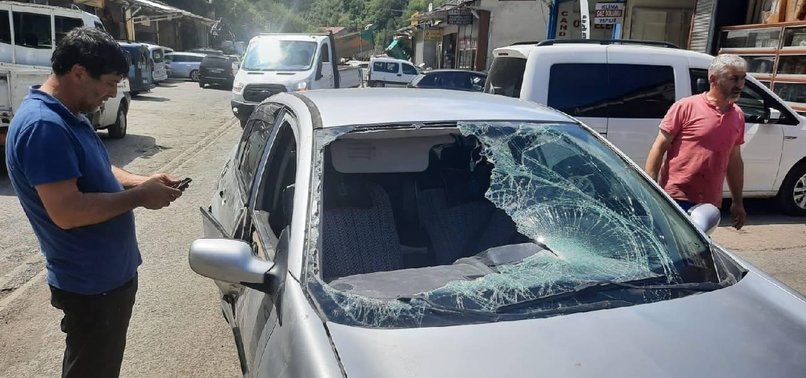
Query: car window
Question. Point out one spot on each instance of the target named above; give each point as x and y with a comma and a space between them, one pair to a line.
326, 53
390, 67
408, 69
423, 81
5, 27
32, 30
612, 90
506, 77
64, 25
754, 101
256, 135
279, 176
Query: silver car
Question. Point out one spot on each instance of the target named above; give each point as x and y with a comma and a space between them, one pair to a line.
407, 233
183, 65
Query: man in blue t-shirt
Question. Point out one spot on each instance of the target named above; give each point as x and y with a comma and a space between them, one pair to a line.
79, 205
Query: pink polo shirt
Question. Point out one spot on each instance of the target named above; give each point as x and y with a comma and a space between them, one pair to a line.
697, 160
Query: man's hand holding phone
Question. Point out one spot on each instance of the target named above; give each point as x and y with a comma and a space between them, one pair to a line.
183, 184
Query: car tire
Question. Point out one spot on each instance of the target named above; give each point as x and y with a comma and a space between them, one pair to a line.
118, 129
792, 195
194, 75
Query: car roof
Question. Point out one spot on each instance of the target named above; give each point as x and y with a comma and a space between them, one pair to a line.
290, 37
661, 53
375, 106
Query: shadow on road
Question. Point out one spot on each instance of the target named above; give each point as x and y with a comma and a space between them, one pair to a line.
760, 212
124, 151
5, 185
141, 97
219, 87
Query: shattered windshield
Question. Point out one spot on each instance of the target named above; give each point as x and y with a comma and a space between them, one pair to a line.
489, 221
276, 55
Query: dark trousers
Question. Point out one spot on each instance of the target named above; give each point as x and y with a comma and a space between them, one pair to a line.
96, 328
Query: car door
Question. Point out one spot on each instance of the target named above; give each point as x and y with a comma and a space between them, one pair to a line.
407, 73
763, 137
270, 213
324, 69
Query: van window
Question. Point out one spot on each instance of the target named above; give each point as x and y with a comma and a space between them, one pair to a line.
64, 25
408, 69
32, 30
5, 28
506, 77
325, 53
754, 102
612, 90
390, 67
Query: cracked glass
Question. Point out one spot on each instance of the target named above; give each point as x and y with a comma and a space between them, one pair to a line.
507, 220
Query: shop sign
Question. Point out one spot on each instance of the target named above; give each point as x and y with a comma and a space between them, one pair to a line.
460, 16
433, 34
584, 18
609, 13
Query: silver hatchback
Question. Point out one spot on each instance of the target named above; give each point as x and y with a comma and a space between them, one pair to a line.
457, 234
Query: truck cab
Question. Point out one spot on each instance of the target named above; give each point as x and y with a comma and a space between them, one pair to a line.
276, 63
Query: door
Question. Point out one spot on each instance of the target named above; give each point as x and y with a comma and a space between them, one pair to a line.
408, 73
763, 138
385, 71
324, 69
639, 97
270, 213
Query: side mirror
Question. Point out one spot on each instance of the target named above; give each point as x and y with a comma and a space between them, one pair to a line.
774, 115
705, 216
229, 261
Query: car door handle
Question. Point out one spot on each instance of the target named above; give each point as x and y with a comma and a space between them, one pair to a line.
790, 137
399, 74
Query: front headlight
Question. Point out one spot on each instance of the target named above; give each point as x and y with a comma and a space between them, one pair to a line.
301, 86
237, 87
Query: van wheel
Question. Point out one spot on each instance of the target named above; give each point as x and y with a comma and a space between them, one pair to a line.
118, 130
194, 75
792, 195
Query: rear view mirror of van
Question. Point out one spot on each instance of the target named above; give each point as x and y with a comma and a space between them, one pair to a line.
775, 115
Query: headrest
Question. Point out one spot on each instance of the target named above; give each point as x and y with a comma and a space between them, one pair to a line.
343, 191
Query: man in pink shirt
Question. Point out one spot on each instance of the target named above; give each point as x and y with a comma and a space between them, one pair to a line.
701, 136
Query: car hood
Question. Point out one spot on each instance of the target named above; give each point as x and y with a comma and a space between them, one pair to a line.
755, 328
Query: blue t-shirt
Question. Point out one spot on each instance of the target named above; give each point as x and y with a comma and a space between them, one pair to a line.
47, 143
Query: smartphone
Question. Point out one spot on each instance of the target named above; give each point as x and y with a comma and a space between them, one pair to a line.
184, 183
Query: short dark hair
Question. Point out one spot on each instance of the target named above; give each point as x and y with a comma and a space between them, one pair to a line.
91, 48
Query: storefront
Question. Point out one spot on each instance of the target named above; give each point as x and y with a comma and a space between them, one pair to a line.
656, 20
457, 34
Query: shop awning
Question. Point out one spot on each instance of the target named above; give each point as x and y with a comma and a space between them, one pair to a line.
153, 11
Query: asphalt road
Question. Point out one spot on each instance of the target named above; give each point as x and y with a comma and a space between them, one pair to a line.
177, 328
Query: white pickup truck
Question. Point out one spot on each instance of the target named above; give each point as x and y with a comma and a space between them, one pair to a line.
275, 63
25, 61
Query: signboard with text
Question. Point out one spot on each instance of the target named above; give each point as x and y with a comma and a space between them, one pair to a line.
460, 16
434, 34
609, 13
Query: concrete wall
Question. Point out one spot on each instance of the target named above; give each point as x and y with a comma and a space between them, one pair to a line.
515, 21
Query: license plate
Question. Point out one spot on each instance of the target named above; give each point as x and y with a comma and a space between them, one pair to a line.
216, 70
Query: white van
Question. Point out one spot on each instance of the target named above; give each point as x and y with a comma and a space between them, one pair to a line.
623, 91
158, 56
390, 71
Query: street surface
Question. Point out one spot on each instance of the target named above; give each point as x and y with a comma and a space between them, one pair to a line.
177, 328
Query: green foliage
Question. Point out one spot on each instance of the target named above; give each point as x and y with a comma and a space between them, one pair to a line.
249, 17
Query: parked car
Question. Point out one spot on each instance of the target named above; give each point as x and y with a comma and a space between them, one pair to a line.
184, 65
390, 71
218, 70
462, 80
623, 92
479, 236
158, 58
141, 67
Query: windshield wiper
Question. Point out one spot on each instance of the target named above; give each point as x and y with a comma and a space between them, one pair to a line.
594, 287
442, 309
